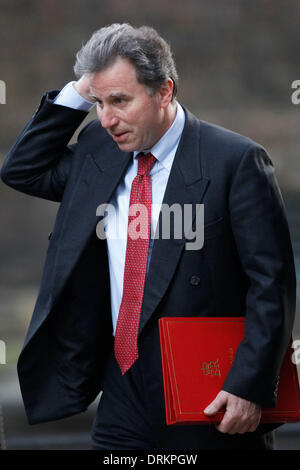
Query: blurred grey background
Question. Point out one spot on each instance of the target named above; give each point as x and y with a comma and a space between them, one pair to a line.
236, 60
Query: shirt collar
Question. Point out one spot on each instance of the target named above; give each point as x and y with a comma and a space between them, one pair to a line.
164, 150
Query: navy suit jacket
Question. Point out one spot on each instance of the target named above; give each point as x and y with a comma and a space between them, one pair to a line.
245, 267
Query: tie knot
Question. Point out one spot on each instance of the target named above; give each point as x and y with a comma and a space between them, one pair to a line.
145, 163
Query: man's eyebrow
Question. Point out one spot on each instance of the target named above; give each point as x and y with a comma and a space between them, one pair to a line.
93, 96
117, 95
112, 95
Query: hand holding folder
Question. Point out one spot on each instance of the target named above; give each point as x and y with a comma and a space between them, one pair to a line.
197, 354
241, 415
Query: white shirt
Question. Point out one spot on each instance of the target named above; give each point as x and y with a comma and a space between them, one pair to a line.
164, 151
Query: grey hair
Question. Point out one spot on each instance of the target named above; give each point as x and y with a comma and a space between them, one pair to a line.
143, 47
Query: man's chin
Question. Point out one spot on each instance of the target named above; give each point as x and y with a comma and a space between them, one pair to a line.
126, 147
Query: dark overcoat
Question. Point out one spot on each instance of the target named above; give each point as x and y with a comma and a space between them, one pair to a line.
245, 267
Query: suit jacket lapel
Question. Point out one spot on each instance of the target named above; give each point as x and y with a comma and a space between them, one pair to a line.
186, 185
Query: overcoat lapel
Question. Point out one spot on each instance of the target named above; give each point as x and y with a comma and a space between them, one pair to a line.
100, 176
186, 185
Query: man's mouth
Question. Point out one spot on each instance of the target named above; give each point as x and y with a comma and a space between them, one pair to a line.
120, 136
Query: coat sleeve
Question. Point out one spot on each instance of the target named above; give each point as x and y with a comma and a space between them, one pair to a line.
263, 242
40, 160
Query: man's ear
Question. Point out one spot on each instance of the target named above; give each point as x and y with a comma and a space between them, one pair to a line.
166, 92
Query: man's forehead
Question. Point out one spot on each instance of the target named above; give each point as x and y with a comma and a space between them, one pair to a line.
120, 68
114, 84
118, 76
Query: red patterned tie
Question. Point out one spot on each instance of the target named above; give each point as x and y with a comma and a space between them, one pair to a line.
126, 350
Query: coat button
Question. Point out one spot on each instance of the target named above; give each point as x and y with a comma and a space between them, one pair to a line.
195, 280
49, 235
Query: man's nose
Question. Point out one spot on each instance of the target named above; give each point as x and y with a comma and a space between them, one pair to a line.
107, 118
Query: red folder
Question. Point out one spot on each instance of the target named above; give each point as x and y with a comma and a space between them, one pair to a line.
197, 354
